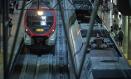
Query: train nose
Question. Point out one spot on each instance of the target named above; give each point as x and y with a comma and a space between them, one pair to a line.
40, 40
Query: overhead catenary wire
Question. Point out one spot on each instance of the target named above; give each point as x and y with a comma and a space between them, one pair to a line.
72, 4
64, 9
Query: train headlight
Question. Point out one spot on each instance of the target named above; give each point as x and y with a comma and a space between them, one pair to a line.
26, 30
40, 12
39, 30
53, 30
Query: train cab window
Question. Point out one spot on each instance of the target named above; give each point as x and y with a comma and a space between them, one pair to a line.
35, 21
43, 22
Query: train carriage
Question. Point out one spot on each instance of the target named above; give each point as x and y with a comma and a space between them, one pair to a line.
40, 25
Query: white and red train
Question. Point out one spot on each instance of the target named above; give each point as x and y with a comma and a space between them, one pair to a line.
40, 28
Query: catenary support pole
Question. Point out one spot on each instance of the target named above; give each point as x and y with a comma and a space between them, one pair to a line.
5, 37
92, 21
16, 36
66, 30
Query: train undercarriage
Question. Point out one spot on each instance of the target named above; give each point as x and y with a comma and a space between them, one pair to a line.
40, 45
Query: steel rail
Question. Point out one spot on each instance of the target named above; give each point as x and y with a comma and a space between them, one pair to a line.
66, 30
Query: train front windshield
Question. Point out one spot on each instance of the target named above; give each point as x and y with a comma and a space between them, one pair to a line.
44, 22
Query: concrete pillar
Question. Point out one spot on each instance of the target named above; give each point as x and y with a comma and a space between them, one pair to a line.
129, 38
125, 30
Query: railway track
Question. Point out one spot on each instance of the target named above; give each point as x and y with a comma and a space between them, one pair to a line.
49, 66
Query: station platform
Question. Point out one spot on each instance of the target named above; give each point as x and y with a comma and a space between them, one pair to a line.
107, 19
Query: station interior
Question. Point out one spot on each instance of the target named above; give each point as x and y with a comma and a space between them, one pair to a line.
65, 39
